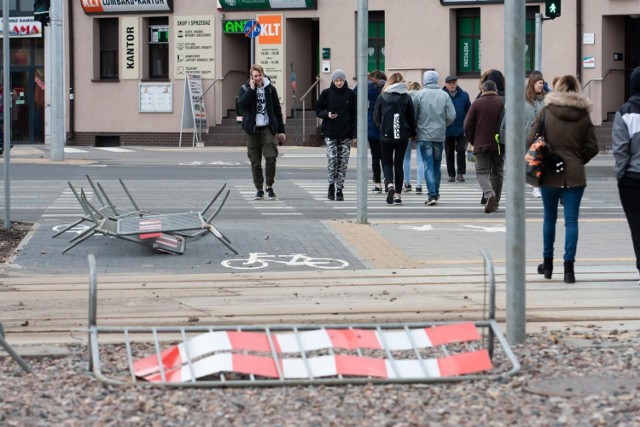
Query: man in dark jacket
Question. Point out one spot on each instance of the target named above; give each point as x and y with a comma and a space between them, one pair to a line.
336, 106
480, 127
263, 123
455, 144
625, 138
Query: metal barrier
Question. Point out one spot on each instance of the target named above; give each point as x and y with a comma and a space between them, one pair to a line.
280, 355
15, 356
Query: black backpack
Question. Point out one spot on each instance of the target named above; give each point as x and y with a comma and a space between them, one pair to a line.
392, 124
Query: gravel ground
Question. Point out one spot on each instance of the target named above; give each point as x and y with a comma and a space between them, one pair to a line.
597, 383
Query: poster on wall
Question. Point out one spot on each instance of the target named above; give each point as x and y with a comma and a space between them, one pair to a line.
194, 46
193, 111
156, 98
270, 52
130, 45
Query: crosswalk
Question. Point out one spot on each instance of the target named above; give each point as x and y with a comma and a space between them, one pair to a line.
74, 150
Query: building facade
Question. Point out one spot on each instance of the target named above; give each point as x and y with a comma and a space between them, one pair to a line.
141, 72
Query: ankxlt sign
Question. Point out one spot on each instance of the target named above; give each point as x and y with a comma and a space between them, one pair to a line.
123, 6
232, 5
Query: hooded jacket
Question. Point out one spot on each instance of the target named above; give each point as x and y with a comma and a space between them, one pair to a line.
570, 134
434, 110
625, 135
248, 100
397, 93
341, 101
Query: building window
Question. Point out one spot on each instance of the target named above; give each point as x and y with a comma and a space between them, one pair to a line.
375, 52
530, 39
468, 41
158, 48
109, 49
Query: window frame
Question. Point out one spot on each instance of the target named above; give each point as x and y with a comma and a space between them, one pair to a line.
156, 50
474, 15
108, 45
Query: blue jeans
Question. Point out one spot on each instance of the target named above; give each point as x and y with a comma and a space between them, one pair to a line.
431, 152
407, 165
571, 198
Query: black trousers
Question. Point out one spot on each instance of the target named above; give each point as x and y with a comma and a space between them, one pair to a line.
393, 162
376, 159
456, 146
629, 190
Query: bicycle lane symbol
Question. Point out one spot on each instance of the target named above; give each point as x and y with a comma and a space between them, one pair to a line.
215, 163
257, 260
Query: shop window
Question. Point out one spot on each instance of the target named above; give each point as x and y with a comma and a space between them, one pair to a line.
158, 48
468, 42
375, 54
108, 61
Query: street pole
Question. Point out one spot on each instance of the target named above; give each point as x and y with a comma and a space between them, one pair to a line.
6, 112
538, 59
514, 69
363, 41
56, 82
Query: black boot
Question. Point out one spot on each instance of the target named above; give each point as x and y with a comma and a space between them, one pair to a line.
569, 276
331, 195
546, 268
339, 195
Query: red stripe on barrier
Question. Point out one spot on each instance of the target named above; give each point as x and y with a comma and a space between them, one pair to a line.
361, 366
465, 363
170, 358
256, 365
250, 341
445, 334
353, 338
150, 235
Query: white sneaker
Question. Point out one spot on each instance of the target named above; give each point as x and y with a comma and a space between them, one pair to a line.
536, 192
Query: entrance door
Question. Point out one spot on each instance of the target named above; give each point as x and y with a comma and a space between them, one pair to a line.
27, 105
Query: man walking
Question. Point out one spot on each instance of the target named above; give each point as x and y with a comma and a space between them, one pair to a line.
434, 112
455, 144
480, 127
625, 137
263, 123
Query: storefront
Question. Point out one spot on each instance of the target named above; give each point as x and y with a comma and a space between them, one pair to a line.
27, 80
131, 59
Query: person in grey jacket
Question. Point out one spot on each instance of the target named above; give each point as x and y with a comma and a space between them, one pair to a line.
533, 104
434, 112
625, 137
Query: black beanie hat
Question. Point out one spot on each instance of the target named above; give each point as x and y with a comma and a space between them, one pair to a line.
634, 81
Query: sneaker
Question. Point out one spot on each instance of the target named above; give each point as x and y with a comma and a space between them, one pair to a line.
452, 179
270, 194
437, 197
418, 190
536, 192
259, 195
431, 201
483, 201
339, 195
460, 178
376, 189
331, 194
391, 191
407, 187
496, 206
397, 201
491, 202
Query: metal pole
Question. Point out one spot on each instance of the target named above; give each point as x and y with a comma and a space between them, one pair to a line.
6, 112
363, 18
538, 59
57, 82
514, 69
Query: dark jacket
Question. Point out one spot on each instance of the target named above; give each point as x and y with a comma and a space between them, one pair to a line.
461, 103
625, 139
482, 121
570, 134
397, 93
248, 100
342, 102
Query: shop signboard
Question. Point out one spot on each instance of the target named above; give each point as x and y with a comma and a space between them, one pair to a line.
194, 47
92, 7
22, 27
270, 51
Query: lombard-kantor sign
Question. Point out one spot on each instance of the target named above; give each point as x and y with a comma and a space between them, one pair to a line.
124, 6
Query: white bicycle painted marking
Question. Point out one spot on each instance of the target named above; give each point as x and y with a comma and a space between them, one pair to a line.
258, 260
215, 163
77, 229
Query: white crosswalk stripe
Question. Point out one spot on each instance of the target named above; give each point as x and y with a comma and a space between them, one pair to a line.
266, 207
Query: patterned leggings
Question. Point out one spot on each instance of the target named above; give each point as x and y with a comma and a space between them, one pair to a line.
338, 151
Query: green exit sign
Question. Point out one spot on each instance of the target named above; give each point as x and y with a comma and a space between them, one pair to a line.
234, 26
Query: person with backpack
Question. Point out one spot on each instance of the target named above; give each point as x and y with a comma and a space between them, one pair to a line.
395, 117
337, 107
533, 104
375, 81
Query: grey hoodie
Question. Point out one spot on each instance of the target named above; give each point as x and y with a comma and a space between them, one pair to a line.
625, 135
434, 110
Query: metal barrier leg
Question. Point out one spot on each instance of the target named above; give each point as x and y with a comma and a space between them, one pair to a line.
15, 356
490, 276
